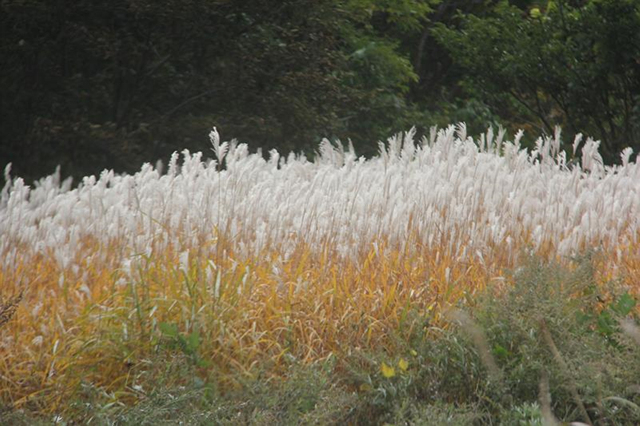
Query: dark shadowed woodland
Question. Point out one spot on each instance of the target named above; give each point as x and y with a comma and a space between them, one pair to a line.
92, 84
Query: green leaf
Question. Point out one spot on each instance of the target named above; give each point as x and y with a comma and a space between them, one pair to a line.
606, 324
170, 330
583, 318
625, 305
203, 363
193, 341
500, 351
183, 344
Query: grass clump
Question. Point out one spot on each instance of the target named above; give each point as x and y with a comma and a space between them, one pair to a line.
552, 343
305, 395
556, 338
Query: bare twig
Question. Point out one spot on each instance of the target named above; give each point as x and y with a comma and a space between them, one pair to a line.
548, 419
479, 340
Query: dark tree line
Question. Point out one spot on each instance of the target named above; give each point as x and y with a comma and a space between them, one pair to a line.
93, 84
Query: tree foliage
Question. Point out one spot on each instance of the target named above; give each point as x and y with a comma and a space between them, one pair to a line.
573, 63
107, 84
96, 84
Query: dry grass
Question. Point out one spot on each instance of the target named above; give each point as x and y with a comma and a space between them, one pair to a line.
101, 328
244, 269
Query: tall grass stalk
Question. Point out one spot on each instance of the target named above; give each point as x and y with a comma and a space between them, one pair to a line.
243, 265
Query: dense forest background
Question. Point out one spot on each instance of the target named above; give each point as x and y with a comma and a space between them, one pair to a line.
94, 84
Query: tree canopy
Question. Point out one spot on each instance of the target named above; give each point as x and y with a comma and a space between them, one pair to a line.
569, 63
109, 84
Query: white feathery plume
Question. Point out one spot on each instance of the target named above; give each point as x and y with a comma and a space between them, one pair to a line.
455, 193
219, 149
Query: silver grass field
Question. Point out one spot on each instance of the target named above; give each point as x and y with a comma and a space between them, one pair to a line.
244, 263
